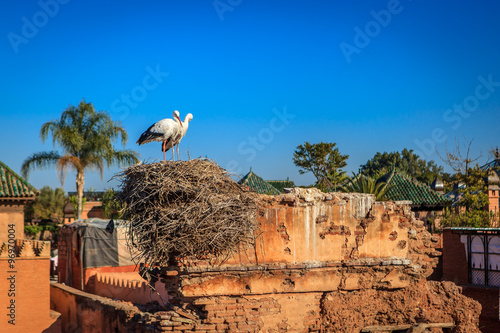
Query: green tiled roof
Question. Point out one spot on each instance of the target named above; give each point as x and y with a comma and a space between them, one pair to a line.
404, 188
13, 186
281, 184
257, 184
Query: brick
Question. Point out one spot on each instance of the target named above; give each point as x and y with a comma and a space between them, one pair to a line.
235, 320
166, 328
182, 320
222, 326
164, 317
205, 327
247, 327
216, 320
215, 307
166, 323
234, 307
227, 301
240, 313
185, 327
185, 314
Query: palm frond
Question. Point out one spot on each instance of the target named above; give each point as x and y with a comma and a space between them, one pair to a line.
39, 160
363, 184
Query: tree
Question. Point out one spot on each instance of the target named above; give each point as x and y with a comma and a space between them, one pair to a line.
363, 184
323, 160
473, 195
86, 137
49, 204
406, 162
113, 208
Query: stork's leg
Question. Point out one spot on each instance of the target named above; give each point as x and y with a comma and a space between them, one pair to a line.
173, 154
163, 148
178, 159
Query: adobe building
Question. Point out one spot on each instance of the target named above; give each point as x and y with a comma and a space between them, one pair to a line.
15, 193
24, 264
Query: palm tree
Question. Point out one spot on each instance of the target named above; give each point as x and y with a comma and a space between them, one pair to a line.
364, 184
86, 137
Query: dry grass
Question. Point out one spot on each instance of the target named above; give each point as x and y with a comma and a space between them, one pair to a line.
185, 209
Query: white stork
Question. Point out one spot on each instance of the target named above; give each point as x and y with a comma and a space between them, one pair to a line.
166, 130
185, 125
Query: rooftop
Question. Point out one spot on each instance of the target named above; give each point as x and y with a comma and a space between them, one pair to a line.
281, 184
257, 184
404, 188
13, 186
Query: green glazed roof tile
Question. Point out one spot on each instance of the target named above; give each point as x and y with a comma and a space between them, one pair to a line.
281, 184
14, 186
404, 188
257, 184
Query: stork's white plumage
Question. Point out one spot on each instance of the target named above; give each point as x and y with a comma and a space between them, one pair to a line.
166, 131
185, 125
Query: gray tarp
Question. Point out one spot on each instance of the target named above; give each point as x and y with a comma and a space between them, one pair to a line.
100, 248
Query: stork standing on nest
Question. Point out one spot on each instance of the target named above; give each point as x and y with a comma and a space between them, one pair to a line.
167, 131
177, 141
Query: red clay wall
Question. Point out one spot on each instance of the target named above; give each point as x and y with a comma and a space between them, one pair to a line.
69, 255
24, 287
454, 258
87, 313
11, 220
310, 244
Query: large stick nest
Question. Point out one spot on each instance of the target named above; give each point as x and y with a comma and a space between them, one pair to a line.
186, 209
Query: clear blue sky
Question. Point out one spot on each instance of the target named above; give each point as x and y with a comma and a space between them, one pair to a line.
260, 77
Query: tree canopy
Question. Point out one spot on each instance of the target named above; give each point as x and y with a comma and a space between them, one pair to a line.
363, 184
87, 138
323, 160
49, 204
406, 162
472, 195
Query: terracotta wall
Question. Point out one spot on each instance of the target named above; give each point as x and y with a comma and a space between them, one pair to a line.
11, 220
24, 287
455, 267
311, 243
87, 313
130, 287
69, 268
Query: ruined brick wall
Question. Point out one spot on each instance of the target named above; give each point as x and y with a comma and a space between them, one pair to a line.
310, 244
314, 253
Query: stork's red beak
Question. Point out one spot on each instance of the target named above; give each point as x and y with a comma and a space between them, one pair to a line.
180, 122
